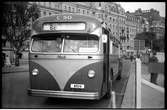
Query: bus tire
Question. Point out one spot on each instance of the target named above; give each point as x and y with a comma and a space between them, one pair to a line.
108, 93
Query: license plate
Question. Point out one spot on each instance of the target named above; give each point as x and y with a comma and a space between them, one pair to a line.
80, 86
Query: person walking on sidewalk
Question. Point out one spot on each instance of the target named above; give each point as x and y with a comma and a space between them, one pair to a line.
153, 59
3, 59
131, 57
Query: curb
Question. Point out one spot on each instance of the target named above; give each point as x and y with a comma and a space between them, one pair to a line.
4, 72
21, 68
159, 88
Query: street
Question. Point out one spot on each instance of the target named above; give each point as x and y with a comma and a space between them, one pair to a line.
14, 93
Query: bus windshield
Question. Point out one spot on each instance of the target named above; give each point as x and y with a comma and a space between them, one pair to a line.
66, 43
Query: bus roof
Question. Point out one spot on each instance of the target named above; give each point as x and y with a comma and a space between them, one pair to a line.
64, 18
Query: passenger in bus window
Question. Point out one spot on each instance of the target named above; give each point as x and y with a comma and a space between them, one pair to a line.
71, 46
58, 44
52, 46
37, 46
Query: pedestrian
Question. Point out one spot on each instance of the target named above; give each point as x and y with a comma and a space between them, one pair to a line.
20, 55
153, 59
7, 61
3, 59
14, 57
131, 58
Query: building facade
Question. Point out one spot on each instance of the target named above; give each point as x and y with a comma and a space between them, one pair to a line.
158, 27
134, 25
156, 23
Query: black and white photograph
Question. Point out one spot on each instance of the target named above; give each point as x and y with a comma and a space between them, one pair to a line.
82, 55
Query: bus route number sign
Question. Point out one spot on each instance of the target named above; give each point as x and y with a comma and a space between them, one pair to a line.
64, 17
79, 86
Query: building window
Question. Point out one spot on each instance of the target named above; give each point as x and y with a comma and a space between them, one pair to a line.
41, 13
99, 4
56, 6
79, 10
44, 13
73, 10
70, 9
128, 47
98, 15
41, 3
83, 11
65, 8
3, 43
50, 4
87, 12
44, 3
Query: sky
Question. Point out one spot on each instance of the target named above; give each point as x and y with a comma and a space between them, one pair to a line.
132, 6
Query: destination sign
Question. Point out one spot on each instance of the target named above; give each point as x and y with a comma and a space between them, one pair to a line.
64, 26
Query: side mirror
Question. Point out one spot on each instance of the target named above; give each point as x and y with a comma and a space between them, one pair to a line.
104, 38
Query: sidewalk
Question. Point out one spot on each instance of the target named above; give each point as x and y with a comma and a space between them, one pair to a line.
129, 96
146, 75
23, 67
150, 97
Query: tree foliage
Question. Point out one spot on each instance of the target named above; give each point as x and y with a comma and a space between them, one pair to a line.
159, 45
147, 36
17, 17
150, 39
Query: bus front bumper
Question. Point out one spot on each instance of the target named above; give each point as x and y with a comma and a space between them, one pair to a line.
64, 94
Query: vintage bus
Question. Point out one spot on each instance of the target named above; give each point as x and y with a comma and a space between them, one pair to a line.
73, 56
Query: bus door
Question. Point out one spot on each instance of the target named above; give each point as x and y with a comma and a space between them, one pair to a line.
105, 40
114, 57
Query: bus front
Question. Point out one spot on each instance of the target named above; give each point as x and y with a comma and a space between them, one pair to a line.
66, 59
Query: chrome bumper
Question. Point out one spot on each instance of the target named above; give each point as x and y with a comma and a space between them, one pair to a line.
64, 94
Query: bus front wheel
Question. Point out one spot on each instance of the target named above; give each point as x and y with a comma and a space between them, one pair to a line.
108, 94
119, 76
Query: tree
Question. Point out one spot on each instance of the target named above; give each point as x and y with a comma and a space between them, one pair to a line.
151, 41
147, 36
17, 18
158, 45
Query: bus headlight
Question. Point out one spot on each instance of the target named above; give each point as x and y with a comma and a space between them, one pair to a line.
91, 73
35, 72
